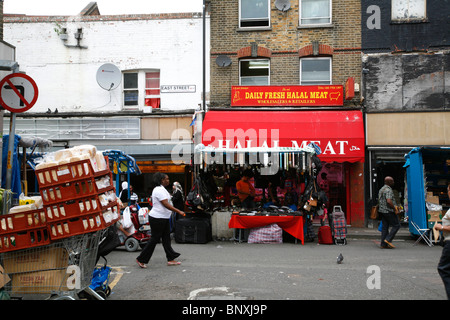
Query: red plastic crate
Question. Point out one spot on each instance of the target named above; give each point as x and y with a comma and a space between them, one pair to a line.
65, 173
68, 191
111, 214
75, 226
72, 208
68, 172
103, 172
102, 187
24, 239
21, 221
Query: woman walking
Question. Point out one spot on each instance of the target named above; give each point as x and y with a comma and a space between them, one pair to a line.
159, 218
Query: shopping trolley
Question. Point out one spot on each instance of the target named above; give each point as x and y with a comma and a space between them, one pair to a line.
61, 270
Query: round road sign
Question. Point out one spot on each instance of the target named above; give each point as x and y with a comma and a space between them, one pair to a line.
18, 92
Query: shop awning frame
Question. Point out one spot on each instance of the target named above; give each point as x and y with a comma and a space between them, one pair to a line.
339, 134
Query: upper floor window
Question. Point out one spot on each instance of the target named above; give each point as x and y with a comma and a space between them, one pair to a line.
254, 72
406, 10
315, 71
130, 89
141, 89
254, 13
315, 12
152, 90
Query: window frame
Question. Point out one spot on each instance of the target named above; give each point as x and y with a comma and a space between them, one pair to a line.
130, 89
241, 20
408, 18
141, 88
330, 3
150, 95
253, 59
319, 82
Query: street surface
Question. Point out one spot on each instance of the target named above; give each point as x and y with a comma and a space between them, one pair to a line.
226, 270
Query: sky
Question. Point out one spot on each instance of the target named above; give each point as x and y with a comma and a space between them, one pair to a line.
106, 7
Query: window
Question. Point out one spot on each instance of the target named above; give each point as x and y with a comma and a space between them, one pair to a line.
254, 72
152, 90
315, 71
141, 89
254, 13
130, 89
315, 12
409, 10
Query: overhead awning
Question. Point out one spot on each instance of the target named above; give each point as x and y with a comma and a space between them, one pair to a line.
339, 134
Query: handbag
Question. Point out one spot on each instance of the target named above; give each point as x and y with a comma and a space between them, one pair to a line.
374, 213
312, 201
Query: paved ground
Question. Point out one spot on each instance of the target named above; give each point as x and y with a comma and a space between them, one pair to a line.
240, 271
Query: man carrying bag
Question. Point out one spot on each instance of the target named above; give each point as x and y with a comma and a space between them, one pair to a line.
386, 209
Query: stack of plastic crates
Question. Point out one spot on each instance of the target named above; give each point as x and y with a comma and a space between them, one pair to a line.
53, 250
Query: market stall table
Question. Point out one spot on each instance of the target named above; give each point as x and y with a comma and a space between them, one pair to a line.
291, 224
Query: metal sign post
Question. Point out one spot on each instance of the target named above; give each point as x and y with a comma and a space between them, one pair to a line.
18, 93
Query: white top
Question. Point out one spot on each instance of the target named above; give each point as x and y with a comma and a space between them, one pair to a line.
159, 211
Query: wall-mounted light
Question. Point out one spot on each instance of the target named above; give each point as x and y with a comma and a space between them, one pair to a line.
78, 36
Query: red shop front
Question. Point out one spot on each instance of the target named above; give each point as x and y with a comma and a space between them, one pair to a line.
339, 134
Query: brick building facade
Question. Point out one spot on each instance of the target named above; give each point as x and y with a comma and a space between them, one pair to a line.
406, 60
282, 43
285, 42
158, 58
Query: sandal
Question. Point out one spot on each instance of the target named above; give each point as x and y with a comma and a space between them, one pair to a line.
173, 263
140, 264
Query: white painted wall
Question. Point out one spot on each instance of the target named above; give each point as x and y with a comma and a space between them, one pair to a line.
66, 77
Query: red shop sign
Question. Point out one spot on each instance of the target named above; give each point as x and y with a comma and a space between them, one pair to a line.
293, 96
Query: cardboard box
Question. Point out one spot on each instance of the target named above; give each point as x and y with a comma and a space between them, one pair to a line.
434, 215
432, 199
39, 282
4, 278
37, 259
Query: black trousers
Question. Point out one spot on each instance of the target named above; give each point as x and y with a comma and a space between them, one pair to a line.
444, 267
160, 230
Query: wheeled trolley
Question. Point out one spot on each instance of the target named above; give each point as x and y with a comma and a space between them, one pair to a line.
339, 226
60, 270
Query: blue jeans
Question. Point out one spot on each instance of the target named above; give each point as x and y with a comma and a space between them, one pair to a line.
389, 219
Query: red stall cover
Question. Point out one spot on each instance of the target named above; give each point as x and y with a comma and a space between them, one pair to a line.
339, 134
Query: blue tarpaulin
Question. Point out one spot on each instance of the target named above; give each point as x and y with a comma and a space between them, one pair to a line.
417, 211
16, 187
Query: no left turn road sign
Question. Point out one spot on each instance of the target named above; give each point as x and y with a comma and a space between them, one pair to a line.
18, 92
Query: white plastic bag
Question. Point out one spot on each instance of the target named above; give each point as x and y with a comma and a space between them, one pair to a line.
143, 215
127, 223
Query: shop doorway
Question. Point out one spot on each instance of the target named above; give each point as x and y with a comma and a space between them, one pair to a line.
395, 170
332, 180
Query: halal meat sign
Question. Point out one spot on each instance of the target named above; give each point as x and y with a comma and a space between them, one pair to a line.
294, 96
18, 92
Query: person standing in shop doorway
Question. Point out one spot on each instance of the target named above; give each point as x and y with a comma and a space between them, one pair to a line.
444, 262
246, 191
386, 208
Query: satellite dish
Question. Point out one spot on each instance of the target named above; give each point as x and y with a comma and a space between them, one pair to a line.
283, 5
223, 61
109, 76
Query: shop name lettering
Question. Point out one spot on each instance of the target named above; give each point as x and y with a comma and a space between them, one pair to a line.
248, 310
290, 95
338, 147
